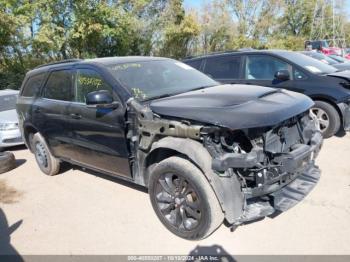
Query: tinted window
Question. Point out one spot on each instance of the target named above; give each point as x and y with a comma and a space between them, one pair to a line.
32, 86
264, 67
8, 102
89, 81
59, 86
147, 80
195, 63
223, 67
299, 75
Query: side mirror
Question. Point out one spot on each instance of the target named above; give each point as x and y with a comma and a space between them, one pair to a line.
101, 99
282, 75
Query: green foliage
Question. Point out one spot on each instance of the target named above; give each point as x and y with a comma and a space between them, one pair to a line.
34, 32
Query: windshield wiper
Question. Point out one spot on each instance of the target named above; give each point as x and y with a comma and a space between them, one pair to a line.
201, 87
157, 97
174, 94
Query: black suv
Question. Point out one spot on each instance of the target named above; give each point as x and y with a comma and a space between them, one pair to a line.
328, 87
205, 151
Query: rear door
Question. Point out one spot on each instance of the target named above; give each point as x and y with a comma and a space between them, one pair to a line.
98, 135
50, 111
226, 69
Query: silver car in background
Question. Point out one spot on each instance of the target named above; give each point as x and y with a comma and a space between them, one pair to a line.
10, 134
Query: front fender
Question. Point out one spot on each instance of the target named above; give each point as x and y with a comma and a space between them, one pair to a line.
227, 189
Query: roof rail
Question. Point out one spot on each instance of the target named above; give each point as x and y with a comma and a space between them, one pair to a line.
60, 62
221, 52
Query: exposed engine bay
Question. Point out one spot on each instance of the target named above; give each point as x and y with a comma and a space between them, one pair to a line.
274, 165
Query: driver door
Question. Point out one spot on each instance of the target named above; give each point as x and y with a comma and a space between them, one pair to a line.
261, 70
97, 134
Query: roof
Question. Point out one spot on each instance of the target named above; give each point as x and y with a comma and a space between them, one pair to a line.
123, 59
103, 61
241, 51
8, 92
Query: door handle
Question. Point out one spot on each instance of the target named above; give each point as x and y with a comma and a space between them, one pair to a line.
75, 116
37, 110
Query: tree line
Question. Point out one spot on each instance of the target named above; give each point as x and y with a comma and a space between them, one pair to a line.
33, 32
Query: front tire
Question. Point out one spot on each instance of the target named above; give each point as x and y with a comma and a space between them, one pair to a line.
328, 118
48, 164
183, 199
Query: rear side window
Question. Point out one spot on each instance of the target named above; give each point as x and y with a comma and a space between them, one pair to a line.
59, 86
195, 63
223, 67
33, 85
89, 81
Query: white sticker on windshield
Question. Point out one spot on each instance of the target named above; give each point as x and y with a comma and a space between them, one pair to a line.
313, 69
184, 66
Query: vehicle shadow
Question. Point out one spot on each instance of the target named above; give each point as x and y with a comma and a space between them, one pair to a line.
20, 162
210, 253
7, 251
15, 148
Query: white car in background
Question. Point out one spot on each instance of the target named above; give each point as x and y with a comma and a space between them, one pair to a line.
10, 134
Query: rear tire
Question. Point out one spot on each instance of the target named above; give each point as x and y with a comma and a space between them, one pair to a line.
328, 118
7, 162
48, 164
183, 199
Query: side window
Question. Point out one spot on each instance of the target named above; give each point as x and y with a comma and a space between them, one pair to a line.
33, 85
59, 86
195, 63
264, 67
223, 67
89, 81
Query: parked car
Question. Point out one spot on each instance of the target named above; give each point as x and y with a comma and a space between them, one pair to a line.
323, 46
327, 60
339, 58
205, 151
10, 134
347, 53
329, 88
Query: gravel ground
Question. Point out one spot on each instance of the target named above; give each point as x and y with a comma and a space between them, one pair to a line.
80, 212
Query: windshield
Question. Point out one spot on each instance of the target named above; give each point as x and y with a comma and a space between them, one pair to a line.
148, 80
8, 102
310, 64
339, 58
322, 58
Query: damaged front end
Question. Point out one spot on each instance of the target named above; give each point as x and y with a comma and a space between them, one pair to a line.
254, 172
275, 166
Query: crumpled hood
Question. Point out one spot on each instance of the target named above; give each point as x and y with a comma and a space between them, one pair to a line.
341, 74
234, 106
8, 116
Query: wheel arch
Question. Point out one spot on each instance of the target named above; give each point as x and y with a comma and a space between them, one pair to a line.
329, 101
226, 189
27, 130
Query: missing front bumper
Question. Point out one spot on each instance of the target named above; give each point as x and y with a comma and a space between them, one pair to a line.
283, 199
295, 191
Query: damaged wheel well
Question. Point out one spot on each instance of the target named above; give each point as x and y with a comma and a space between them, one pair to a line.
158, 155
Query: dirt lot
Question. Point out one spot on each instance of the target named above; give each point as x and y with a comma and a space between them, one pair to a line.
84, 213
